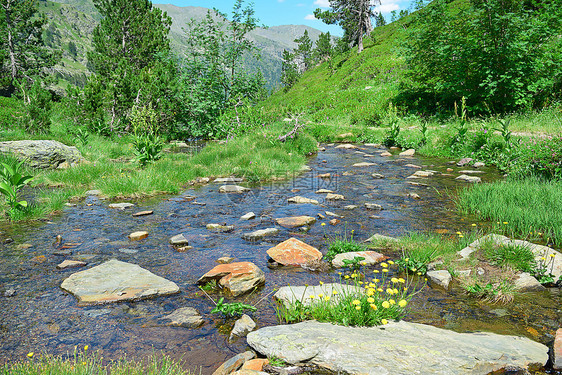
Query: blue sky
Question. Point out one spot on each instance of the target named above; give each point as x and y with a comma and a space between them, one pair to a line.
286, 12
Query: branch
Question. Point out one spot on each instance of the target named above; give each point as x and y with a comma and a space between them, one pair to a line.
293, 132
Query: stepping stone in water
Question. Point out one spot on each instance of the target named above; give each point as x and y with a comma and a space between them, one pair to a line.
363, 164
142, 213
248, 216
293, 252
233, 189
121, 206
219, 228
184, 317
295, 221
260, 233
137, 236
237, 278
71, 264
335, 197
302, 200
116, 281
469, 179
409, 152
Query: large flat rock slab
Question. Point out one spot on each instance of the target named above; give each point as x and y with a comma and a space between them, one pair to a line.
238, 278
370, 258
308, 295
396, 348
115, 281
42, 153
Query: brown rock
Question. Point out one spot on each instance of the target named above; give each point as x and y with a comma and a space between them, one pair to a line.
557, 351
334, 221
324, 175
386, 153
409, 152
255, 364
335, 197
238, 278
71, 264
295, 221
293, 252
143, 213
234, 363
137, 236
225, 260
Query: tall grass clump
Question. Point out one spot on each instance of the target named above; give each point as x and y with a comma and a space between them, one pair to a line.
522, 208
81, 362
360, 300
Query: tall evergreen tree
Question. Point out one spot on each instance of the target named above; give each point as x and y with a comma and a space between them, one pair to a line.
23, 54
129, 39
354, 16
303, 52
323, 49
289, 70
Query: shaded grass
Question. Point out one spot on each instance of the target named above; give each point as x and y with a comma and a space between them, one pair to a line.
522, 208
92, 364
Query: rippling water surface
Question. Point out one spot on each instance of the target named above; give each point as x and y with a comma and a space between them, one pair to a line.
41, 317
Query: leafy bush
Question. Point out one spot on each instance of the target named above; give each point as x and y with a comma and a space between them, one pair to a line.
343, 244
12, 181
38, 103
147, 142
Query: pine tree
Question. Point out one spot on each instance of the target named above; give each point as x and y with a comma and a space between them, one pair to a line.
303, 52
354, 16
323, 48
290, 73
129, 39
23, 55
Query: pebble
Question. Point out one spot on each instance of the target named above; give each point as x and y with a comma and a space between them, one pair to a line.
137, 236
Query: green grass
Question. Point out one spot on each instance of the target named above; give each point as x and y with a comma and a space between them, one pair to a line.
528, 208
342, 244
83, 363
257, 157
382, 299
516, 257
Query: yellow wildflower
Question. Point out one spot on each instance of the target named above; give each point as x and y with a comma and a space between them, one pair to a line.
334, 292
363, 263
385, 270
402, 303
386, 304
321, 283
392, 302
323, 224
320, 295
389, 291
370, 292
459, 233
357, 307
395, 291
346, 277
30, 355
327, 298
394, 280
552, 255
406, 259
473, 225
371, 300
86, 347
401, 280
373, 306
356, 302
375, 271
505, 222
384, 321
380, 290
384, 265
390, 262
311, 297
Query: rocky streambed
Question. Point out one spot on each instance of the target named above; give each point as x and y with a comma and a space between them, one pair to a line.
161, 249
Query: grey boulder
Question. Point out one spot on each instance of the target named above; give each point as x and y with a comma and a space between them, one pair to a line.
42, 154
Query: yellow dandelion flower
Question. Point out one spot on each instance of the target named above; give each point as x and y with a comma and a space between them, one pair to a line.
357, 307
354, 275
385, 270
389, 291
356, 302
459, 233
419, 273
380, 290
402, 303
395, 291
371, 300
346, 277
406, 259
376, 271
384, 265
552, 255
473, 225
394, 280
384, 321
363, 263
361, 283
311, 297
405, 289
461, 236
390, 262
334, 292
370, 292
30, 354
386, 304
323, 224
540, 234
86, 347
505, 222
372, 285
401, 280
327, 298
543, 258
320, 295
373, 306
392, 302
321, 283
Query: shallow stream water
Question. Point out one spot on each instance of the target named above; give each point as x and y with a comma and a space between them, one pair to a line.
41, 317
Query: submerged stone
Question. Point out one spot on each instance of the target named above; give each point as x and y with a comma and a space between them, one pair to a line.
295, 221
260, 233
114, 281
302, 200
185, 317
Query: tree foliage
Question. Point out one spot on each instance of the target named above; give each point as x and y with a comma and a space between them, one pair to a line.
130, 59
354, 16
23, 55
502, 55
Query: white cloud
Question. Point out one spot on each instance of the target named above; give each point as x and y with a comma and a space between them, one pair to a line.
387, 6
322, 3
309, 17
280, 1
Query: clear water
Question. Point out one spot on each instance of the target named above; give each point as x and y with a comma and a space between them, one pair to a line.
41, 317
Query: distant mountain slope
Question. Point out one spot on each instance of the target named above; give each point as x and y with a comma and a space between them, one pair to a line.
74, 20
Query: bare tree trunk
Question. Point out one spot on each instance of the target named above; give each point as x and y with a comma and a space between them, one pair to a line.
11, 48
